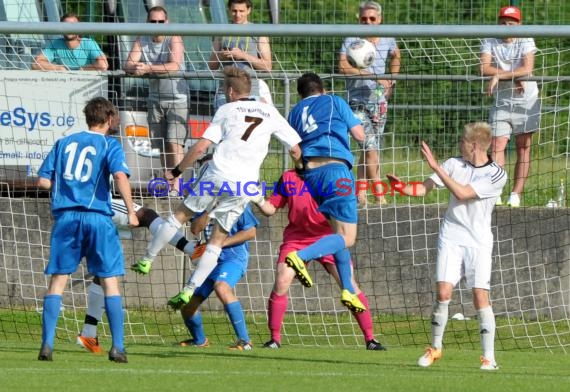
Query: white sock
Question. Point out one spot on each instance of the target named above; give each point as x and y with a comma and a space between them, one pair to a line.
438, 323
188, 248
162, 236
95, 308
487, 331
206, 265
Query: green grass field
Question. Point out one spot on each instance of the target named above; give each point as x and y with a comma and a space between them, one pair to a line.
168, 368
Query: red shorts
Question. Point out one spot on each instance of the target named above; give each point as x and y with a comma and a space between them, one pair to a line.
291, 246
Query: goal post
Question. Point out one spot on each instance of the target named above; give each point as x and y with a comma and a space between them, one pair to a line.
438, 90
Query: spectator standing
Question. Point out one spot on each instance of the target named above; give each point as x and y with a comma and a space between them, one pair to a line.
168, 96
368, 98
517, 105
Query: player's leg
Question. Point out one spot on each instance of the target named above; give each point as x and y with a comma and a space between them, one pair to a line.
64, 257
163, 235
478, 266
277, 303
93, 315
364, 319
193, 318
105, 259
150, 218
226, 276
448, 273
50, 315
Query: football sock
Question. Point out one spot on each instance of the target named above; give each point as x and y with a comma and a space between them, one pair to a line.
276, 308
196, 328
50, 314
206, 265
364, 319
438, 322
327, 245
487, 330
95, 309
162, 236
179, 240
116, 317
342, 260
235, 313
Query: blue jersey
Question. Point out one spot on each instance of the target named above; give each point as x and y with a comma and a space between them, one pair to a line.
323, 123
57, 52
79, 167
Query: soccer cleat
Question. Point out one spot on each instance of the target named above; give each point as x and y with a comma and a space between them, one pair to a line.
487, 364
514, 200
272, 344
180, 299
430, 356
142, 266
117, 356
499, 201
192, 343
375, 345
91, 344
352, 302
45, 353
241, 345
298, 265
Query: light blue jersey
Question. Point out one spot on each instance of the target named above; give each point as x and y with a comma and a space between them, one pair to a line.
323, 123
57, 52
79, 167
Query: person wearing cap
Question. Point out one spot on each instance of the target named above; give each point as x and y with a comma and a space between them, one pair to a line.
517, 105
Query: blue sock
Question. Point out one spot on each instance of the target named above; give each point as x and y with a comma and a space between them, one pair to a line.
50, 314
342, 260
327, 245
235, 313
116, 317
196, 328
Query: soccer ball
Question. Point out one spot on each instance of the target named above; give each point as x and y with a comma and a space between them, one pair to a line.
361, 53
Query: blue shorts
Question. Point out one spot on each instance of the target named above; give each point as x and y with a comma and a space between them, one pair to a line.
332, 187
228, 272
78, 234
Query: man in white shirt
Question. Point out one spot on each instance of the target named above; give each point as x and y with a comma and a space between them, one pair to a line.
241, 129
465, 242
517, 105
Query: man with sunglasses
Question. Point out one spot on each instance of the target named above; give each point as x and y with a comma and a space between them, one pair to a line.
167, 101
368, 97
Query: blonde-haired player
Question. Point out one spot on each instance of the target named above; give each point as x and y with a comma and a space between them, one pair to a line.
465, 241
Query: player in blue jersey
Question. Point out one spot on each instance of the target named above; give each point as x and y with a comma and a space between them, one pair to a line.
324, 121
77, 171
231, 267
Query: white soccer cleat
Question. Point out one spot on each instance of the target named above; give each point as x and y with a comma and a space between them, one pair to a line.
430, 356
514, 200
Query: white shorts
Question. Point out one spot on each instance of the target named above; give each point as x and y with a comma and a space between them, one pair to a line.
456, 261
223, 199
517, 120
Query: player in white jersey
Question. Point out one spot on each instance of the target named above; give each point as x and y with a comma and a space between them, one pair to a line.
465, 242
517, 104
95, 298
241, 129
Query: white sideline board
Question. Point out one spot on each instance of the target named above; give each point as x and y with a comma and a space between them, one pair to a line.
37, 108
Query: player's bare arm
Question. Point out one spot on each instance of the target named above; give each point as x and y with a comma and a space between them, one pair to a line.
240, 237
357, 133
124, 188
44, 183
193, 154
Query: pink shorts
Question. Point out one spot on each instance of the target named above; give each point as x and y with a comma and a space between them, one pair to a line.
291, 246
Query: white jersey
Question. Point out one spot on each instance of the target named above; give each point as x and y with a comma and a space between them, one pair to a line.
242, 130
508, 56
468, 223
120, 217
